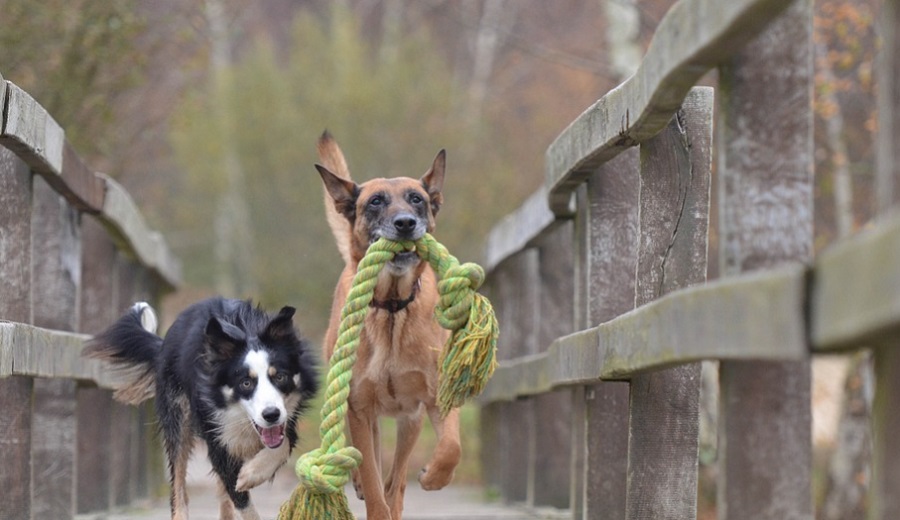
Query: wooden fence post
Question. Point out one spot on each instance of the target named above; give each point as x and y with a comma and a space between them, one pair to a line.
56, 279
514, 290
674, 216
607, 240
765, 163
99, 287
15, 305
884, 502
553, 411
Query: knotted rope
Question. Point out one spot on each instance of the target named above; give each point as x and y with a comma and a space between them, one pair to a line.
466, 363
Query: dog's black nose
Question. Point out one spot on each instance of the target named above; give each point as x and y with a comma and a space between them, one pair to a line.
404, 223
271, 414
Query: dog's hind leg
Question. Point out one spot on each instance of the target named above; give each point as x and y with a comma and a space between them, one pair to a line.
178, 442
439, 471
408, 429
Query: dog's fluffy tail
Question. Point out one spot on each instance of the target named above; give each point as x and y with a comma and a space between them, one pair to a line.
332, 157
131, 344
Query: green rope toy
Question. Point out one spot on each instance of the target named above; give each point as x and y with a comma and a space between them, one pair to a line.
466, 364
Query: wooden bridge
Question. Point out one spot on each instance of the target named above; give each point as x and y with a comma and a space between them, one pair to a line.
600, 282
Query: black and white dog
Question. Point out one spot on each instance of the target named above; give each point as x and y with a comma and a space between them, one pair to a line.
226, 372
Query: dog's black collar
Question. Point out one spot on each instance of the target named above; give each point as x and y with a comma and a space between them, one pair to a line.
395, 305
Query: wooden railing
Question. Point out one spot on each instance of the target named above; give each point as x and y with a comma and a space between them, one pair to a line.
599, 281
74, 253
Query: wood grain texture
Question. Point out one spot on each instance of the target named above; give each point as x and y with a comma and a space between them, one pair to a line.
553, 411
15, 445
38, 352
610, 257
15, 241
32, 133
887, 152
56, 254
765, 164
56, 281
93, 484
518, 229
514, 293
674, 216
128, 229
53, 448
15, 304
854, 299
883, 499
757, 316
694, 37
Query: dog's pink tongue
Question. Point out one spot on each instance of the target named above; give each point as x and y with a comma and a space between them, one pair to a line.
272, 437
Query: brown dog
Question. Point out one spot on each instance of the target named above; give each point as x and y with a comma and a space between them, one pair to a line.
396, 372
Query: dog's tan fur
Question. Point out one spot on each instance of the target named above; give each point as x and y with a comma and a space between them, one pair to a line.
396, 370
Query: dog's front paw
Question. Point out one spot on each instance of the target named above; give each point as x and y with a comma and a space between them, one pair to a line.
253, 474
434, 477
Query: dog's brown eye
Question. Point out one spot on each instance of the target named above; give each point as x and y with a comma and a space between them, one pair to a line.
415, 199
280, 378
376, 201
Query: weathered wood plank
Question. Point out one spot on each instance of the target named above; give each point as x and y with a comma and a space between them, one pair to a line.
38, 352
56, 280
757, 316
883, 499
765, 164
553, 411
515, 298
93, 483
15, 304
126, 225
610, 214
53, 446
853, 298
15, 445
694, 37
32, 133
84, 189
56, 254
518, 229
674, 217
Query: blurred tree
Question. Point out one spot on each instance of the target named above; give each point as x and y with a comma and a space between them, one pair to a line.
78, 58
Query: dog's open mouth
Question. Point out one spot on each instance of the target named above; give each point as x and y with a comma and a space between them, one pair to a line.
272, 436
404, 258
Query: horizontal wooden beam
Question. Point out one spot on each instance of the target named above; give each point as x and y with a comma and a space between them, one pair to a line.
759, 316
31, 133
26, 350
694, 37
516, 230
127, 227
855, 294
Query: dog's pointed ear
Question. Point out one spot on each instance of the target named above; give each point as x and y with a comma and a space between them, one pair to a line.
281, 327
223, 339
343, 192
433, 181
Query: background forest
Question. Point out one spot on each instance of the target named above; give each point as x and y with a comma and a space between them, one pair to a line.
208, 111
